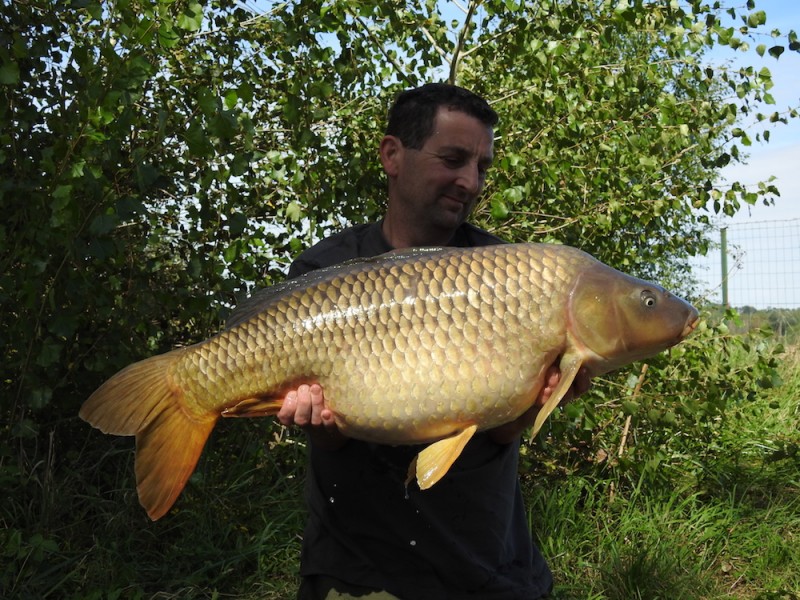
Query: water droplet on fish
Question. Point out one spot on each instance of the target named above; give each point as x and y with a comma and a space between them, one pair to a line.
413, 542
331, 499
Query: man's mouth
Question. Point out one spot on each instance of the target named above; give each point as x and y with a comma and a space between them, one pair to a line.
456, 199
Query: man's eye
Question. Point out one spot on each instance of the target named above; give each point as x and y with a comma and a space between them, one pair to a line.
453, 162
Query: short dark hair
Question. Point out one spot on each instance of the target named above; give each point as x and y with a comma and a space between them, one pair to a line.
412, 115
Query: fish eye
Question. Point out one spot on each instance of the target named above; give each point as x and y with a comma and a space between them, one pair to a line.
648, 298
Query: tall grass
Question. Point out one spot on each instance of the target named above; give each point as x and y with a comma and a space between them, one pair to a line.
235, 528
734, 532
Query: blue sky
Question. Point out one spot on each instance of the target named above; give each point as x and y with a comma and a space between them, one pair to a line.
764, 241
781, 156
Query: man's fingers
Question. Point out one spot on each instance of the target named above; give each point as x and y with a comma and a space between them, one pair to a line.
582, 383
303, 414
316, 402
551, 378
286, 413
305, 406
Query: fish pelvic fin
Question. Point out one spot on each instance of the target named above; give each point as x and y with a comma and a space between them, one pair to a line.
141, 400
432, 463
255, 407
569, 370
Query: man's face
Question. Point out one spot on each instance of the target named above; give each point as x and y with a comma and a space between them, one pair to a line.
441, 182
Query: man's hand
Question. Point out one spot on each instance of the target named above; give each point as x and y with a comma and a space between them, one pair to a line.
505, 434
305, 407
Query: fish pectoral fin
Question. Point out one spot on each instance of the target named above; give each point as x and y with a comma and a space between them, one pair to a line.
569, 370
431, 464
266, 406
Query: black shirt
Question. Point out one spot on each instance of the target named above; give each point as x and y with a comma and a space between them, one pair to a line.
465, 537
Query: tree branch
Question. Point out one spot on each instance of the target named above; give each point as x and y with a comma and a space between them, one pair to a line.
462, 37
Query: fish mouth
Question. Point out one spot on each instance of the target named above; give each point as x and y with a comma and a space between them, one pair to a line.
690, 327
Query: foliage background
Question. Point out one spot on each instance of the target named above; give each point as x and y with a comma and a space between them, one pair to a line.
159, 158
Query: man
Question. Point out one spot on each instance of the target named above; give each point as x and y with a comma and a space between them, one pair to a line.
367, 535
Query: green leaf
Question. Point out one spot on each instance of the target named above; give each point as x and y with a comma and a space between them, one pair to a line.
629, 407
245, 92
192, 19
756, 18
102, 224
197, 139
62, 193
776, 51
59, 207
27, 428
207, 100
50, 352
236, 224
648, 161
293, 211
63, 324
231, 98
499, 209
573, 410
9, 73
167, 36
146, 175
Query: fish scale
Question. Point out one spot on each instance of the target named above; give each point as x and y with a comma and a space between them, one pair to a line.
413, 347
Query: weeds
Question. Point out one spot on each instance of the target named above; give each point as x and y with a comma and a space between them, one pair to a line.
734, 532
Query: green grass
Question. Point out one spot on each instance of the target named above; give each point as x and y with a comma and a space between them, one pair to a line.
235, 529
728, 527
732, 532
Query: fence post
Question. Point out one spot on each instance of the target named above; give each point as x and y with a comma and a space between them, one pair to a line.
723, 242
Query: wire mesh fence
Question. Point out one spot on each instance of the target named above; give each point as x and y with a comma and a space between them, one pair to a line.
754, 265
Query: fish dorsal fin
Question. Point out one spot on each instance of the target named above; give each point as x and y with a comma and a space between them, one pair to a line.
569, 370
433, 462
262, 298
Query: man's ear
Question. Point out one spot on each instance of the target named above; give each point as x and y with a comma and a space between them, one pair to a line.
391, 152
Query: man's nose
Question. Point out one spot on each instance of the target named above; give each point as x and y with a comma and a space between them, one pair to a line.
470, 178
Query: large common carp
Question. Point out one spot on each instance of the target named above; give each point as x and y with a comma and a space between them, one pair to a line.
417, 346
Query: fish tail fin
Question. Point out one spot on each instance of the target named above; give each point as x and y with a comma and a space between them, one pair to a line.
142, 400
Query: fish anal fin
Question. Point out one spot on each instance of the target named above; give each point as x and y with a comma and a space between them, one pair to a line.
432, 463
569, 370
166, 455
259, 406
